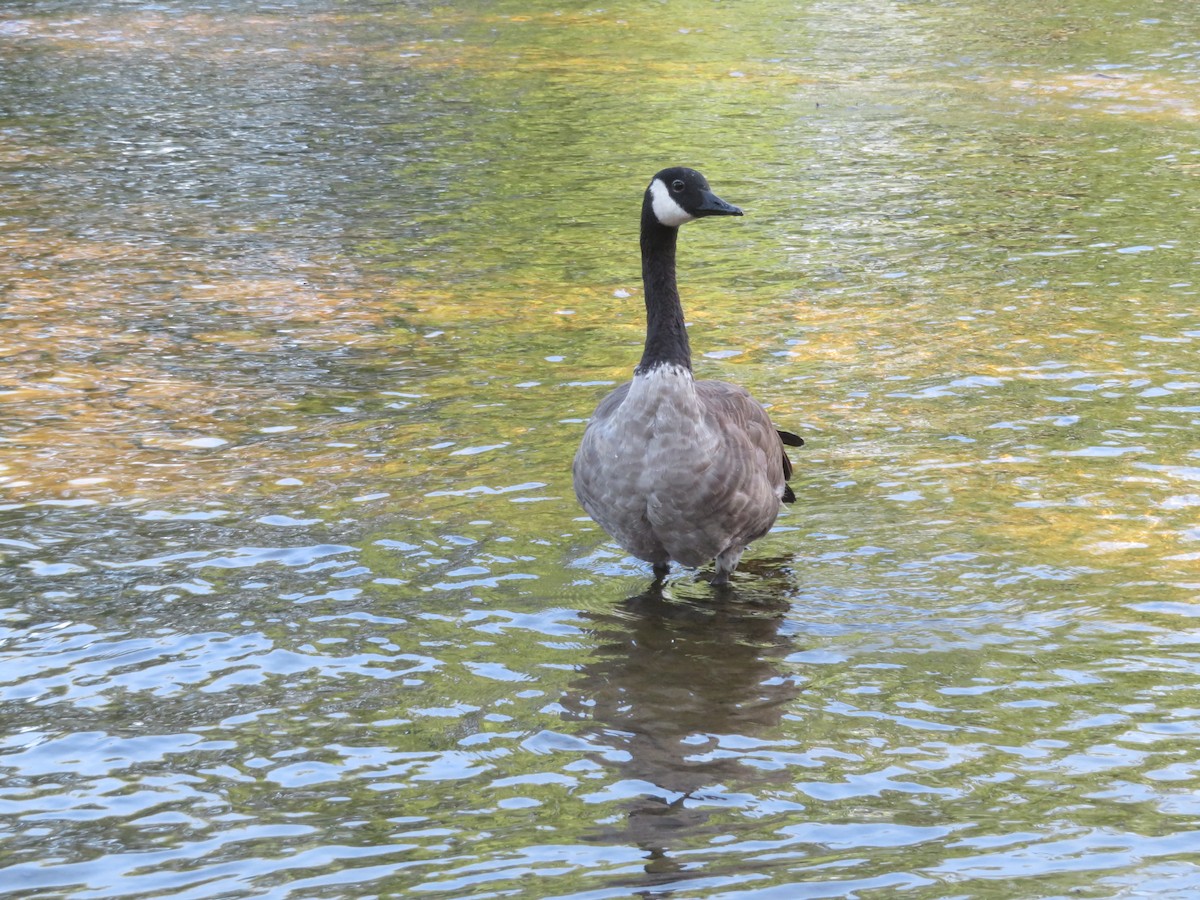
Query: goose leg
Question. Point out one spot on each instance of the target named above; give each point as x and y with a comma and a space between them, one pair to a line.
726, 563
661, 570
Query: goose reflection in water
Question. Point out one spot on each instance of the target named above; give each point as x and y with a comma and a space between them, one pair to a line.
683, 687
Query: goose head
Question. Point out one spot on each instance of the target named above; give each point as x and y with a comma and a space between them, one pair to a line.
678, 195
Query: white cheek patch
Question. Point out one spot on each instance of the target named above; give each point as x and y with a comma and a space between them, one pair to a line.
666, 210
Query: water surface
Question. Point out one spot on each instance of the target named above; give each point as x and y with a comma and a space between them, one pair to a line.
306, 306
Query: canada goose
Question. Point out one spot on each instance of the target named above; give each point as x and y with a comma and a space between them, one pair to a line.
674, 469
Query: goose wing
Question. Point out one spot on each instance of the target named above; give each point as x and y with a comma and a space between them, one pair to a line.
722, 484
734, 411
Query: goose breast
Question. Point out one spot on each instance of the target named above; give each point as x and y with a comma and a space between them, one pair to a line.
680, 470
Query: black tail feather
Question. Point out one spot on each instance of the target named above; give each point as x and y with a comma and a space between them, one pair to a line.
789, 439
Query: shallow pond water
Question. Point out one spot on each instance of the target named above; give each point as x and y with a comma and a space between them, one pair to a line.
306, 306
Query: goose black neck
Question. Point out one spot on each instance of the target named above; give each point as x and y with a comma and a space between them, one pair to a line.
666, 336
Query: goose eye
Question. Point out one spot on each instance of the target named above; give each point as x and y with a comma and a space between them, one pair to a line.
677, 186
